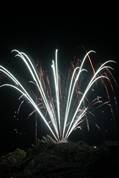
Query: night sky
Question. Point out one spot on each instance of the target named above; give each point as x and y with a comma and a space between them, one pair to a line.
39, 36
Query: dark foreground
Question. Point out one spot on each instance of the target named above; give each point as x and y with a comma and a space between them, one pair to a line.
48, 160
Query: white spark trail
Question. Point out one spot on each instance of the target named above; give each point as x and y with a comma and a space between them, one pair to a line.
70, 94
92, 81
60, 128
24, 93
34, 74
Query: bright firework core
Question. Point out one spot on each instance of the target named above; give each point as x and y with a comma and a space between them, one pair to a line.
62, 122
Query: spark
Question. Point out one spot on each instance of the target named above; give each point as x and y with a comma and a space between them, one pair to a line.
61, 125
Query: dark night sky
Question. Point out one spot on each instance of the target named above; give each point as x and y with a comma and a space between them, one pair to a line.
39, 36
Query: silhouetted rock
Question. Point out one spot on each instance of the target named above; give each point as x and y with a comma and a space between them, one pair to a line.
50, 160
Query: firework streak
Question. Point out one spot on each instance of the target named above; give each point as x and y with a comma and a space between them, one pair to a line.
59, 121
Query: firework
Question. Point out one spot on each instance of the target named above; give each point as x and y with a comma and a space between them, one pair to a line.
61, 116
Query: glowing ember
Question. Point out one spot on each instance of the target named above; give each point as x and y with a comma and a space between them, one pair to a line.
61, 117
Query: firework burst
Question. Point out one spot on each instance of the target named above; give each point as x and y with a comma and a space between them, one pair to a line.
61, 116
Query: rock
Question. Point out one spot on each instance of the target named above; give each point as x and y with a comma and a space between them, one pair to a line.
10, 161
50, 160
